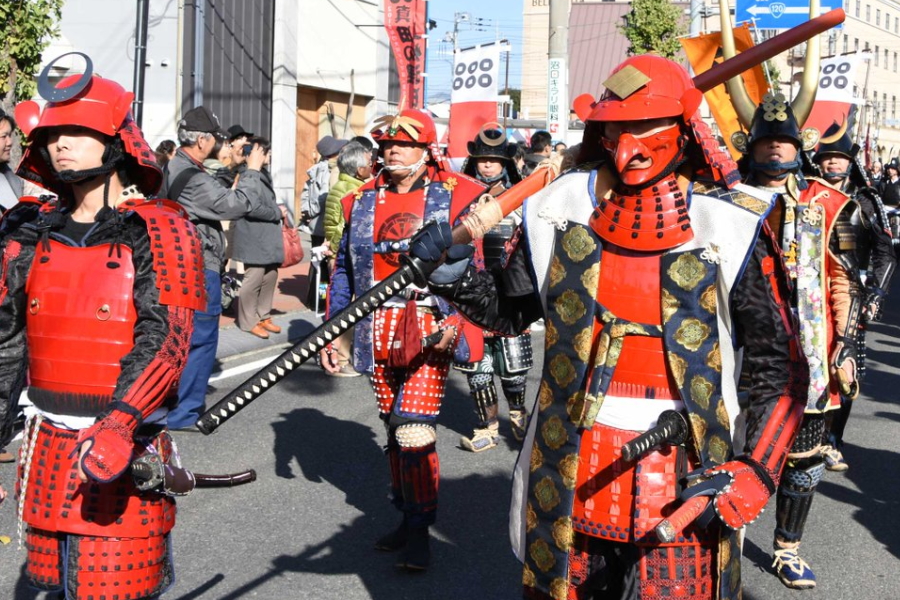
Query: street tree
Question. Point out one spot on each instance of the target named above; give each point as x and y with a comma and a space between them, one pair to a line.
26, 29
653, 26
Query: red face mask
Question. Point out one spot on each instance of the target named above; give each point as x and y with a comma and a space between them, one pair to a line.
661, 147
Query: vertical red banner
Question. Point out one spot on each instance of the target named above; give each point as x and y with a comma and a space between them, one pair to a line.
405, 24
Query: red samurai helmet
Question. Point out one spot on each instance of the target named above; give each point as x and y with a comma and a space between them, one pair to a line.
98, 104
410, 125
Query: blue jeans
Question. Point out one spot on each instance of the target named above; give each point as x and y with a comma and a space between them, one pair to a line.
201, 357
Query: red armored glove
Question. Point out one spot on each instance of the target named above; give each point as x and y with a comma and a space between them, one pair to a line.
740, 489
110, 444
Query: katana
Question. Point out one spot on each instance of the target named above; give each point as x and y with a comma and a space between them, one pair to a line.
481, 219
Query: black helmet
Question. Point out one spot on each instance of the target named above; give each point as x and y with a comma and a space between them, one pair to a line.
491, 142
774, 117
837, 141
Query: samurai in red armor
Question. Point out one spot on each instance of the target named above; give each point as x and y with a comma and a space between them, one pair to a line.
647, 265
97, 295
811, 222
397, 345
491, 161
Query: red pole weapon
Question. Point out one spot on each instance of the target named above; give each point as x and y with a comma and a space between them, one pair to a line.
482, 219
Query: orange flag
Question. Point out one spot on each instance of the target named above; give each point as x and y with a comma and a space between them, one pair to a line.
705, 50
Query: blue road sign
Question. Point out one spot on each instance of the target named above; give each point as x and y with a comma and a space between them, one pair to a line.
777, 14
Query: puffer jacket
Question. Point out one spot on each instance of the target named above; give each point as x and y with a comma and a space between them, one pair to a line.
334, 213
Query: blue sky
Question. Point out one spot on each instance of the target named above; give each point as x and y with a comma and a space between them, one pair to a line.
503, 16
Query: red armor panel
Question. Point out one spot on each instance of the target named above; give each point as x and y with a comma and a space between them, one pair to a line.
623, 501
75, 341
630, 289
397, 218
418, 389
57, 501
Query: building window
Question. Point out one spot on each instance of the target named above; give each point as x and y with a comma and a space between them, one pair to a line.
886, 59
856, 44
868, 13
878, 17
856, 10
887, 20
846, 43
893, 107
895, 62
877, 54
896, 24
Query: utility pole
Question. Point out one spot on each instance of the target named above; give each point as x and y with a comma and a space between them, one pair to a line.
558, 72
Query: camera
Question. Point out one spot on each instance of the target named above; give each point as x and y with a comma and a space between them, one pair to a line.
247, 149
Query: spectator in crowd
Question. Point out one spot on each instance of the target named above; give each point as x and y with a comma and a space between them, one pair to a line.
208, 204
10, 184
519, 158
219, 159
355, 166
258, 244
239, 144
559, 147
164, 152
875, 175
890, 185
320, 177
539, 151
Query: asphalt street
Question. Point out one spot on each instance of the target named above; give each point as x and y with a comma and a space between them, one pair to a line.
305, 528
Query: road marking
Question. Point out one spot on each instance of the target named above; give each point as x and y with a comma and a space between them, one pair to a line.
255, 365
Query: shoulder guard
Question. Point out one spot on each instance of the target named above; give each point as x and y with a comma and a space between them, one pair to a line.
26, 209
747, 197
177, 252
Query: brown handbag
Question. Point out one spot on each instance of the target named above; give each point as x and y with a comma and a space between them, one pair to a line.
293, 249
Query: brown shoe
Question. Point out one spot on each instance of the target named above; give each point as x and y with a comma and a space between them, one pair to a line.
269, 326
259, 331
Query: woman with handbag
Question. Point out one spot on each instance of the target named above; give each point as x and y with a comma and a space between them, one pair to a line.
259, 245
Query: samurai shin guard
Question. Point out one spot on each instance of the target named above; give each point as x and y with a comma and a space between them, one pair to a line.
795, 496
514, 391
392, 451
485, 397
419, 471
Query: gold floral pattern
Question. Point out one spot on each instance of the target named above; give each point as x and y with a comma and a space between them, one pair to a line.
577, 244
718, 449
590, 279
698, 427
528, 579
722, 415
714, 358
358, 195
545, 396
582, 343
537, 459
541, 555
708, 299
557, 272
569, 307
679, 368
750, 203
450, 183
551, 334
554, 433
562, 533
687, 271
568, 470
701, 391
531, 519
692, 333
546, 494
559, 589
562, 370
602, 349
670, 306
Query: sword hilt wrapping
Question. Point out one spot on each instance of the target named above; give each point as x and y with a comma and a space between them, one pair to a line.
670, 428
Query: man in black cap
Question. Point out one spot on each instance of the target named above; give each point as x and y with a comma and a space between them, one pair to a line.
208, 204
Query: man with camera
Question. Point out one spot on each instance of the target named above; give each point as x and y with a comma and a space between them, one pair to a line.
208, 203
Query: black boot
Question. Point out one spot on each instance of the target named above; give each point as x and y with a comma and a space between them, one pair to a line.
394, 540
417, 554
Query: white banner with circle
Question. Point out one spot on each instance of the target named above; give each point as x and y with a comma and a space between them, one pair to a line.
475, 74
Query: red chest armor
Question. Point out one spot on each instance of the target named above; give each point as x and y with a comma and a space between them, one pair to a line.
397, 218
630, 289
77, 340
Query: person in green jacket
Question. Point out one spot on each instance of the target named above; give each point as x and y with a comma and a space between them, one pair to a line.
355, 167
